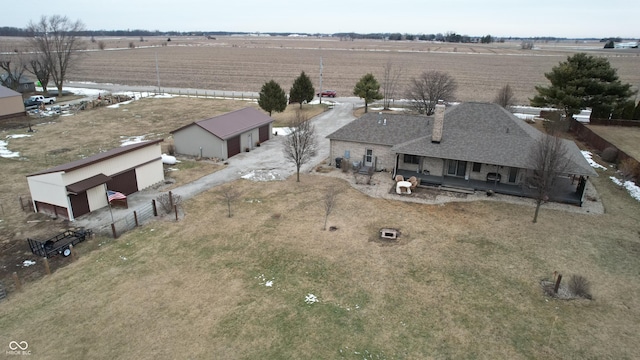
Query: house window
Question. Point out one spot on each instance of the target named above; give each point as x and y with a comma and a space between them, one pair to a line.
411, 159
477, 167
513, 174
457, 168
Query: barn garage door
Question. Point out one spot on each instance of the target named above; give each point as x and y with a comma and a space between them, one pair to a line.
52, 210
125, 183
233, 146
263, 133
79, 204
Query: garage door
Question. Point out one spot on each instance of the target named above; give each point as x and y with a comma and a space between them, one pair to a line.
79, 204
52, 210
263, 133
125, 183
233, 146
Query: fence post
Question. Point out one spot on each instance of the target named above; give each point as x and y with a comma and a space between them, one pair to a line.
113, 230
73, 253
17, 281
155, 209
135, 218
47, 269
555, 288
170, 199
175, 208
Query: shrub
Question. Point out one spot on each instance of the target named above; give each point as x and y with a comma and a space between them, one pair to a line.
630, 169
165, 201
132, 45
609, 154
101, 45
171, 149
580, 286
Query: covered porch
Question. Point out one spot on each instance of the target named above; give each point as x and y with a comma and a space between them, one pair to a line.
567, 190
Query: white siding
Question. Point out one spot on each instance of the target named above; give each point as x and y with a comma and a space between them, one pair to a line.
149, 174
48, 188
190, 141
97, 197
114, 165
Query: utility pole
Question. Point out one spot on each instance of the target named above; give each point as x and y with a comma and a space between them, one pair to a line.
320, 80
157, 72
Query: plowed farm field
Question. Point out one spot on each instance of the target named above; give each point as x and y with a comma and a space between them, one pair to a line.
246, 63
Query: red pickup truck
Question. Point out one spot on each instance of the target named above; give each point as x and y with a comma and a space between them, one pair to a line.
327, 93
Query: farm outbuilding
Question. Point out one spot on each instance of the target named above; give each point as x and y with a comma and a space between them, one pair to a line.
73, 189
223, 136
11, 104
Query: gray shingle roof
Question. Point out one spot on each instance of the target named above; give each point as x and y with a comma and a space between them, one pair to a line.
478, 132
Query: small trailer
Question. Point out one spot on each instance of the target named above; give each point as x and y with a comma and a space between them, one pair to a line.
58, 244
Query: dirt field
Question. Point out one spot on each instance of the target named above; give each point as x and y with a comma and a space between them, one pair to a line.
246, 63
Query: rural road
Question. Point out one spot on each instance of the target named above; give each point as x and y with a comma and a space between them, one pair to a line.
266, 160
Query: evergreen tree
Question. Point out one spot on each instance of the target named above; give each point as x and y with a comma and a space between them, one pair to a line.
368, 89
580, 82
272, 98
302, 90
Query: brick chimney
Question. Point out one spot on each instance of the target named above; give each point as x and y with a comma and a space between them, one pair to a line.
438, 122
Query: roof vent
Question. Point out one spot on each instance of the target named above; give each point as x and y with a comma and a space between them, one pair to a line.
384, 122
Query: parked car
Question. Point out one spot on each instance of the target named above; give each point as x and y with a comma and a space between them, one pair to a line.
42, 99
31, 104
327, 93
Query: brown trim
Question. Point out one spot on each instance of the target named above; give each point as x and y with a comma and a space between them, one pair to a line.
88, 183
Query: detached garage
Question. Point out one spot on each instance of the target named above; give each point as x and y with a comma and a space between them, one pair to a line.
79, 187
11, 104
223, 136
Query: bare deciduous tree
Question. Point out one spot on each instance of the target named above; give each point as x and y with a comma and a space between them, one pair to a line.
58, 40
548, 158
505, 97
39, 67
329, 203
301, 144
13, 65
228, 194
389, 83
431, 86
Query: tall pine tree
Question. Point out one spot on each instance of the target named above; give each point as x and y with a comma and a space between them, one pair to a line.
302, 90
272, 97
580, 82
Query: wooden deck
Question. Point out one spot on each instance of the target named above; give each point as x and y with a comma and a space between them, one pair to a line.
565, 188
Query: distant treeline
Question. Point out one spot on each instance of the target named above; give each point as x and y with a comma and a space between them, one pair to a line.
447, 37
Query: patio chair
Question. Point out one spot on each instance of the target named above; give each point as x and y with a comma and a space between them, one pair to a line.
399, 178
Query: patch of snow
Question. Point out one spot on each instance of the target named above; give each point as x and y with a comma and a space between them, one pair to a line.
123, 258
587, 155
6, 153
263, 175
269, 283
264, 281
17, 136
281, 130
27, 263
631, 187
310, 299
524, 116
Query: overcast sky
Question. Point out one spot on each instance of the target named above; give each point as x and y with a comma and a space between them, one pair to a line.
559, 18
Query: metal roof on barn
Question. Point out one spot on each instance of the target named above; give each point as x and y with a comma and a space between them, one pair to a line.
233, 123
96, 158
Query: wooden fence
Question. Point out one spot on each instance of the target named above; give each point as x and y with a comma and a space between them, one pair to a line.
594, 140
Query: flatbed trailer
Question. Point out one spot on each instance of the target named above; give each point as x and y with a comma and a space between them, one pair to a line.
59, 244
